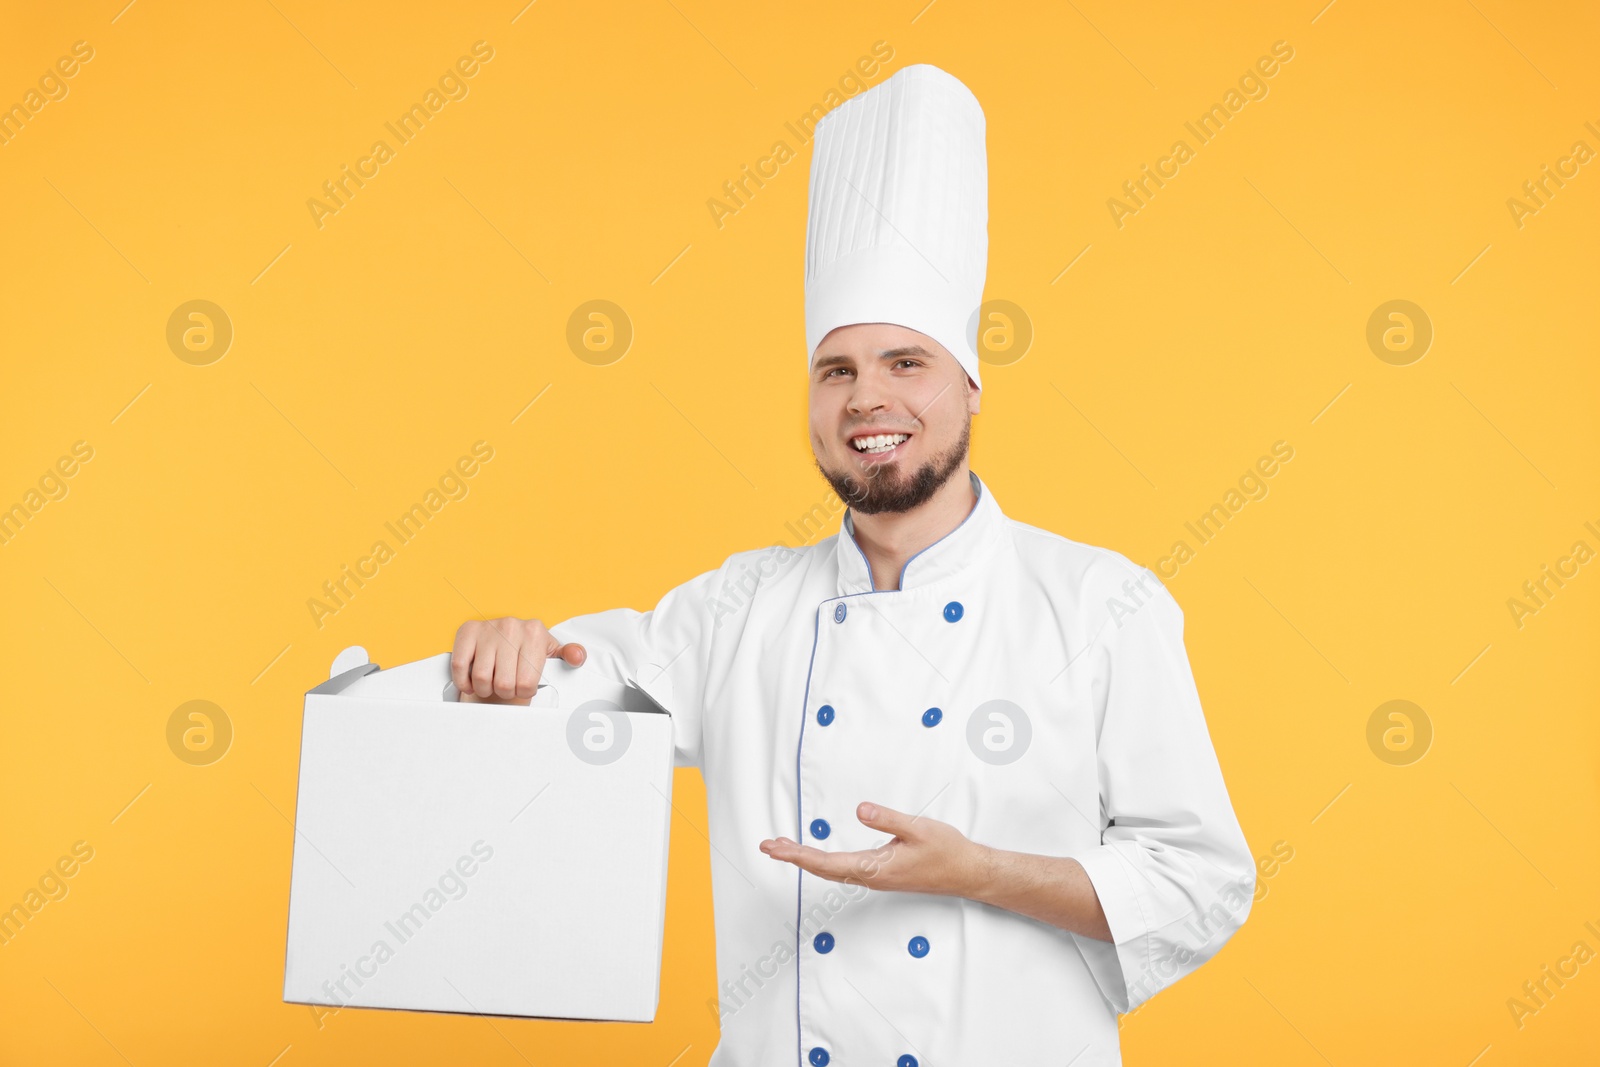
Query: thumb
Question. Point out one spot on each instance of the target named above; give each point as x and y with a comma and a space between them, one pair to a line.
886, 819
572, 653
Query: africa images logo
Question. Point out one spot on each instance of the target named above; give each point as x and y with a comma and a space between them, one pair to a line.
451, 885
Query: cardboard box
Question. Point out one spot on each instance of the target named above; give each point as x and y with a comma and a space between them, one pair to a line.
480, 858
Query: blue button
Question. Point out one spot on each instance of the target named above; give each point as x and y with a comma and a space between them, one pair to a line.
819, 1056
825, 714
823, 942
820, 829
931, 717
838, 616
908, 1060
952, 611
917, 946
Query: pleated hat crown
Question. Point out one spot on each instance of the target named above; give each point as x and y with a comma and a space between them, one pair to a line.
898, 227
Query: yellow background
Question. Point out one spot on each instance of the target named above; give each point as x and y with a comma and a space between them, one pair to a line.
371, 352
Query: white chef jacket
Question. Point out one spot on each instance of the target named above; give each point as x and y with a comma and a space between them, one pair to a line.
1030, 690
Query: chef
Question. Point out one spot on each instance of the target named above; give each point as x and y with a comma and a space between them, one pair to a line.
962, 802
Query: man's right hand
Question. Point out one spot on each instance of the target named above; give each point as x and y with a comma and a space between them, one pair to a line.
501, 659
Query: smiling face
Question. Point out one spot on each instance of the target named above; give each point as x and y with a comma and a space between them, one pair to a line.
891, 415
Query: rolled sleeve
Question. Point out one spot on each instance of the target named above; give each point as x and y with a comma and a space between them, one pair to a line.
1173, 871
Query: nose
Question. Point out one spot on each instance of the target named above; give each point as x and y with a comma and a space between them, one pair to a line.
867, 396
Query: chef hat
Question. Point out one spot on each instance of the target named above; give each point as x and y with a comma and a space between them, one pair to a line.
898, 229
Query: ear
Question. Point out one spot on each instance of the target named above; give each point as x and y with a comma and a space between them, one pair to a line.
974, 395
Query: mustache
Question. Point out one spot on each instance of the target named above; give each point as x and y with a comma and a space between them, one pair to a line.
917, 418
913, 428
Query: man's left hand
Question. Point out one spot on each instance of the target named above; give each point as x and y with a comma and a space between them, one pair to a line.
924, 856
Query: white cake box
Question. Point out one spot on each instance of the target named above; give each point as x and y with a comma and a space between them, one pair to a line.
480, 858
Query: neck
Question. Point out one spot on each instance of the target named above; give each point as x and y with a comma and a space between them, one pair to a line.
889, 538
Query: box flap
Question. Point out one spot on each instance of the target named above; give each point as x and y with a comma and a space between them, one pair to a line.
560, 685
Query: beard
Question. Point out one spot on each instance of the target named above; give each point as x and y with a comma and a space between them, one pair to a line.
884, 487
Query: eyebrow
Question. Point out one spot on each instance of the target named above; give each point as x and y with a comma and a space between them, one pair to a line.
887, 353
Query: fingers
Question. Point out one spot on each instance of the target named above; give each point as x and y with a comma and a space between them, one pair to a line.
472, 661
461, 656
886, 819
499, 658
508, 654
853, 867
483, 657
805, 857
537, 646
528, 668
504, 658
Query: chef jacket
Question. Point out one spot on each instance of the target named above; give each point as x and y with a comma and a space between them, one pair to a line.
1030, 690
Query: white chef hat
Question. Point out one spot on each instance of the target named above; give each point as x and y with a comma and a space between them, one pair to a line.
898, 229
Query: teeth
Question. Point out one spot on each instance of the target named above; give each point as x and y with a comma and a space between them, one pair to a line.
879, 442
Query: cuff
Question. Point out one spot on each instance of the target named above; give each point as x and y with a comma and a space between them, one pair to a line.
1127, 954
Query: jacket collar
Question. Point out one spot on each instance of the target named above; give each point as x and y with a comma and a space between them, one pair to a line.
963, 546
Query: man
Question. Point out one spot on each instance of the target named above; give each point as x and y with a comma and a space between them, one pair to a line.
962, 801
